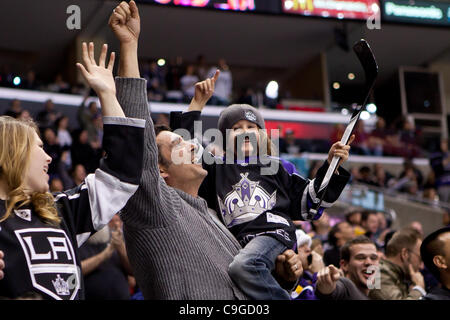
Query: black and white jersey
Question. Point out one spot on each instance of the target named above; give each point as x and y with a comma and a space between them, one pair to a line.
42, 258
251, 203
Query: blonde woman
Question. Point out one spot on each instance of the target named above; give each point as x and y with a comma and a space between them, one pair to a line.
40, 232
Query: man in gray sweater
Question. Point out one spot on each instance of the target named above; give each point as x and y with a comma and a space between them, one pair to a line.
176, 248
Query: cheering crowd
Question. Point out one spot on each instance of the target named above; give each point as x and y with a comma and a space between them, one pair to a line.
132, 221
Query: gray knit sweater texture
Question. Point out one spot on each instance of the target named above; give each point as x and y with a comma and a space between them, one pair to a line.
176, 249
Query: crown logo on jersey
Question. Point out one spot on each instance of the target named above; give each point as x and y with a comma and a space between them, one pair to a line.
61, 286
245, 202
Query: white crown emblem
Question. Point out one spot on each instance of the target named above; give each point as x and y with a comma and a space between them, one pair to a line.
250, 115
245, 202
61, 286
25, 214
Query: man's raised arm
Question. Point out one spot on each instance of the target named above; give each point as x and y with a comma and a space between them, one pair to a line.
147, 207
126, 25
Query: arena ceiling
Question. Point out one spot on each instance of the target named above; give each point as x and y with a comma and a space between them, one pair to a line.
38, 28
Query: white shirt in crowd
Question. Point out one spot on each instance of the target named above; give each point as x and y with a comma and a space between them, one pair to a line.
187, 84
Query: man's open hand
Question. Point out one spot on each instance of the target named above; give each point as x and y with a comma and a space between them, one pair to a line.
99, 77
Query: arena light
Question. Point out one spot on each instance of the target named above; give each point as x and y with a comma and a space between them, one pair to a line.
161, 62
371, 107
351, 76
17, 81
336, 85
344, 111
365, 115
375, 7
272, 90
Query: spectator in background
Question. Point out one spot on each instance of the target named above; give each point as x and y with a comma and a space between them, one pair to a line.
377, 138
289, 143
6, 77
30, 82
248, 96
62, 130
410, 139
440, 163
338, 132
24, 115
383, 229
359, 261
201, 67
354, 171
315, 165
316, 246
430, 194
86, 116
84, 152
56, 185
105, 265
370, 223
416, 225
53, 149
353, 217
15, 108
435, 252
162, 119
78, 173
155, 81
382, 178
339, 234
174, 74
59, 85
400, 271
446, 218
223, 85
311, 264
410, 179
365, 176
321, 228
47, 117
361, 140
188, 81
96, 135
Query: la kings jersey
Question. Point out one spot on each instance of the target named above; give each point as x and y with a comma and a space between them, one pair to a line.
251, 203
42, 258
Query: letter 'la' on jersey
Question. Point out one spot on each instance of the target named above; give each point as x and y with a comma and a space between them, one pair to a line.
42, 258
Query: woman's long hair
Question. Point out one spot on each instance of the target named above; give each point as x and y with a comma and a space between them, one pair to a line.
16, 141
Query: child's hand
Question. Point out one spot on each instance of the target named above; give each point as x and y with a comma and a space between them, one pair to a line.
203, 92
340, 150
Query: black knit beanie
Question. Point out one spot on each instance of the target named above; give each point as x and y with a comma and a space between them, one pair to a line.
232, 114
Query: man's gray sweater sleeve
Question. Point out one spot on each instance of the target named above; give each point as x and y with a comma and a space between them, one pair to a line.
152, 205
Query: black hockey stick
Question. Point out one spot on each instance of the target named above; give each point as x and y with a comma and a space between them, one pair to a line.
367, 59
